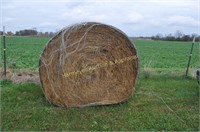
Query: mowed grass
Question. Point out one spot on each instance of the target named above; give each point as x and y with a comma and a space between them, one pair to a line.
163, 100
157, 104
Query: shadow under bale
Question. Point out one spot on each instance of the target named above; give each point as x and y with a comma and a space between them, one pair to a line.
88, 64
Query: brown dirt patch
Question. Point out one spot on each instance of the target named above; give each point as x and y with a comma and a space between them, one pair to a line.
21, 76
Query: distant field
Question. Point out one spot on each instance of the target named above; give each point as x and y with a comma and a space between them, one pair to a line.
166, 54
24, 53
164, 99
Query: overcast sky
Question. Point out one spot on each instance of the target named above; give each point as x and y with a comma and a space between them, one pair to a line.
134, 17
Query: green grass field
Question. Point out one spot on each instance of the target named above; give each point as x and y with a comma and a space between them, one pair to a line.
24, 53
164, 99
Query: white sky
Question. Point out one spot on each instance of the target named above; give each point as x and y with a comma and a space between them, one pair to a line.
134, 17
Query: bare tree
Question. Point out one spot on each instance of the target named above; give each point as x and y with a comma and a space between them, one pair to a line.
178, 34
10, 33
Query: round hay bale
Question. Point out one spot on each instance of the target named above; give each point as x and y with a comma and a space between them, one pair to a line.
88, 64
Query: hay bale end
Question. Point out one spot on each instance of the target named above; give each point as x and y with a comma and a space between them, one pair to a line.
88, 64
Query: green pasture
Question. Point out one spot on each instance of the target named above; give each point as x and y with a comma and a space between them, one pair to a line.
24, 53
164, 99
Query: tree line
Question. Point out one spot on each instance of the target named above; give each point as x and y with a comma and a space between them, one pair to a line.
177, 36
28, 32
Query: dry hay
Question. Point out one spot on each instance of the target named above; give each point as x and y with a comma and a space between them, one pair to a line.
24, 76
88, 64
20, 76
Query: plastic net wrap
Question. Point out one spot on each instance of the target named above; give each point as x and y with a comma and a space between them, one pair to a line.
88, 64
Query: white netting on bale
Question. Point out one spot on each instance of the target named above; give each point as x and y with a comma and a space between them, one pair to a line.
88, 64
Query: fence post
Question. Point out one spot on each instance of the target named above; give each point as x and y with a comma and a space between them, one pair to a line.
4, 50
190, 57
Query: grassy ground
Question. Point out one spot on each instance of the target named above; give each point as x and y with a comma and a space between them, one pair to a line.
159, 103
164, 99
165, 54
24, 52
